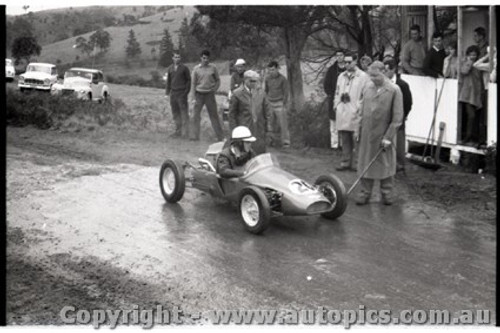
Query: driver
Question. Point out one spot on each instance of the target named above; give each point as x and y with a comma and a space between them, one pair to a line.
237, 154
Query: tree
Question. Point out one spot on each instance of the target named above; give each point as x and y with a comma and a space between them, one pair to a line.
188, 44
133, 48
153, 53
101, 39
293, 24
20, 27
83, 45
166, 49
25, 48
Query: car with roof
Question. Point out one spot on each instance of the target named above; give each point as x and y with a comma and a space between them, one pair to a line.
265, 190
10, 71
83, 83
38, 76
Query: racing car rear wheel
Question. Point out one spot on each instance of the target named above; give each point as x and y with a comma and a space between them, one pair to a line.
334, 190
172, 181
254, 209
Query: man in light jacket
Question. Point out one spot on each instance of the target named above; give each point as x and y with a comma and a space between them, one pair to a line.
381, 116
348, 92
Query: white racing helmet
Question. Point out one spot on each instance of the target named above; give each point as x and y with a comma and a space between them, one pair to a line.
242, 133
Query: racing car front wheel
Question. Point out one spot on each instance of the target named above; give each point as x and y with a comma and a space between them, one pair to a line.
334, 190
254, 209
172, 181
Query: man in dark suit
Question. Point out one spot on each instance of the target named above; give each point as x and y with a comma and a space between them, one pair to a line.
329, 85
434, 59
391, 73
250, 108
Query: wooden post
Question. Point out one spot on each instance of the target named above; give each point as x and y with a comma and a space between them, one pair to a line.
430, 25
460, 55
442, 126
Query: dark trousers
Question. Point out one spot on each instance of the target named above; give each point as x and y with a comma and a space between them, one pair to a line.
179, 105
349, 149
386, 186
401, 147
471, 123
207, 99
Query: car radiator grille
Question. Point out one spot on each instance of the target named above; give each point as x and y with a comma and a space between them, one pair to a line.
67, 92
33, 81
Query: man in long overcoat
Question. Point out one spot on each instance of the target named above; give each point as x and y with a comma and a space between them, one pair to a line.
249, 107
381, 116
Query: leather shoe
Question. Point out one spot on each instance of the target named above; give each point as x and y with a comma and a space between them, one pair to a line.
342, 168
362, 200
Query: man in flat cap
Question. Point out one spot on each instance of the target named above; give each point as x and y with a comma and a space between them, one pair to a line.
249, 107
237, 77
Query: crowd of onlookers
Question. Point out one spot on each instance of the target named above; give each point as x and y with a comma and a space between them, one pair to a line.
367, 102
473, 74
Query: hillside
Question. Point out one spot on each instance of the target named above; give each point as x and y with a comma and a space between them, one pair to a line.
54, 25
148, 34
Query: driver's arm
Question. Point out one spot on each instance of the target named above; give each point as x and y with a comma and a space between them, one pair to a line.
225, 170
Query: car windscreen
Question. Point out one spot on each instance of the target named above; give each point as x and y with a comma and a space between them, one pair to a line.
37, 68
83, 74
260, 162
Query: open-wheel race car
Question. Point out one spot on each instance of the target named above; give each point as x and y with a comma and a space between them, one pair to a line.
264, 191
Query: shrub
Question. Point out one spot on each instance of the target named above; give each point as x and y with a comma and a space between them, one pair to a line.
310, 126
44, 111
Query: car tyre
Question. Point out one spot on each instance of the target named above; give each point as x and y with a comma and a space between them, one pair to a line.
172, 181
254, 209
334, 190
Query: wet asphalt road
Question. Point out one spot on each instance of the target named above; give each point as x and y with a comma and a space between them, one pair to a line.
382, 257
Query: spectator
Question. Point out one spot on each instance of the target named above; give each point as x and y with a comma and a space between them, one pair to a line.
433, 62
365, 62
237, 77
413, 53
470, 89
276, 87
381, 116
481, 41
233, 157
450, 64
391, 70
205, 83
249, 107
350, 85
329, 85
483, 65
178, 86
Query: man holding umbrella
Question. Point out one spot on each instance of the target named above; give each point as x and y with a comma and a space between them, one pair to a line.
381, 116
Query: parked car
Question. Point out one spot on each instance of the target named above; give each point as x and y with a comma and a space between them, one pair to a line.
264, 191
83, 83
10, 71
38, 76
